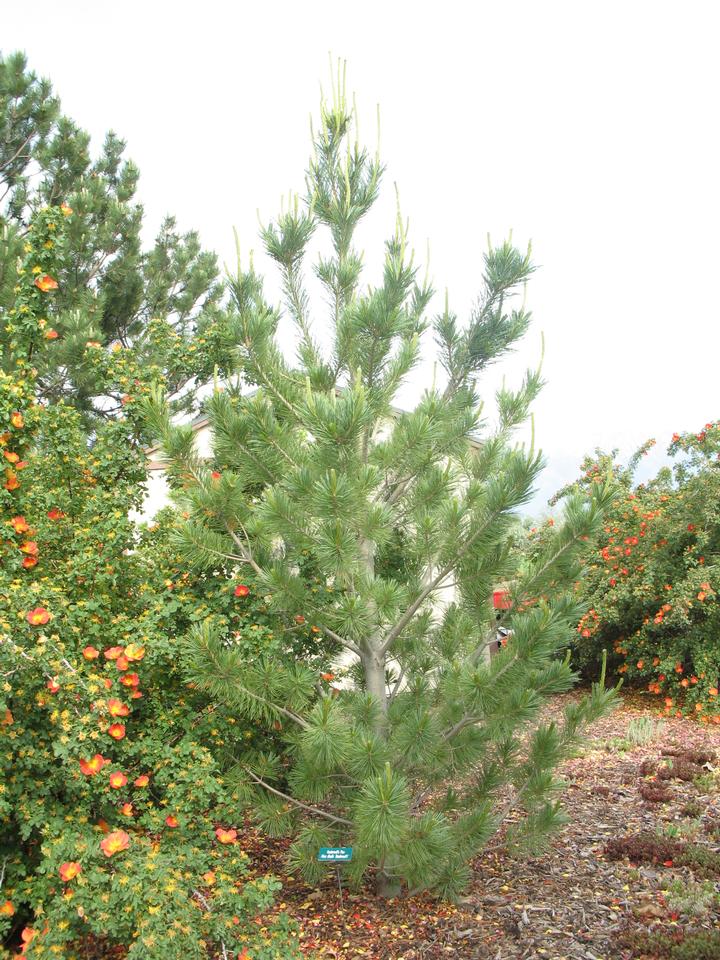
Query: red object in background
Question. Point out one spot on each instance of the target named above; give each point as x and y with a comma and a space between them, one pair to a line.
501, 599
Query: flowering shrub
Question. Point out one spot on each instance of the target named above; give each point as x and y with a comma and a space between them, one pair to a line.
651, 587
115, 821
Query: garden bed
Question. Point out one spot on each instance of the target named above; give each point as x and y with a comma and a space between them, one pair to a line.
573, 902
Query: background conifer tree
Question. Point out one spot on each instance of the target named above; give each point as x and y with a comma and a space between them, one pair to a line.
110, 288
407, 516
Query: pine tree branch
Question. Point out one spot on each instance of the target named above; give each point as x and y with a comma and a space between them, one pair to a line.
245, 550
466, 721
296, 803
258, 463
217, 553
336, 636
469, 720
229, 678
396, 687
433, 585
297, 300
537, 577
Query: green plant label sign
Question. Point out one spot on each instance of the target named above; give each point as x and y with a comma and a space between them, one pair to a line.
335, 854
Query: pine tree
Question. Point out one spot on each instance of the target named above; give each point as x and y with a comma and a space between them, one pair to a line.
110, 289
408, 516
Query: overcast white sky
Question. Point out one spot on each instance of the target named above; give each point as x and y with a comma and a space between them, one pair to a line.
589, 128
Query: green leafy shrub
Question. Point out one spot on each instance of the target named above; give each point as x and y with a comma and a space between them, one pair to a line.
115, 818
650, 586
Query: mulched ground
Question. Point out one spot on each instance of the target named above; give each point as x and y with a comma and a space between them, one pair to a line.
572, 903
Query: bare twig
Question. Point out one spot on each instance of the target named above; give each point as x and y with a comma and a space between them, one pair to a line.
297, 803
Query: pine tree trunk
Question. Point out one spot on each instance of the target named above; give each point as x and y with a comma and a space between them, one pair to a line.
386, 886
374, 667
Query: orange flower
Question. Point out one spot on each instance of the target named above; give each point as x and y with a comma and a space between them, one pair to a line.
241, 590
640, 664
30, 548
29, 562
38, 617
27, 936
209, 878
126, 809
299, 618
69, 870
172, 821
122, 662
55, 514
668, 701
142, 781
10, 456
133, 651
7, 909
226, 836
331, 676
117, 730
66, 209
701, 595
112, 653
117, 708
16, 419
117, 780
115, 842
19, 524
90, 653
698, 707
107, 682
52, 685
713, 691
130, 680
11, 481
51, 334
91, 767
46, 283
679, 668
684, 682
135, 695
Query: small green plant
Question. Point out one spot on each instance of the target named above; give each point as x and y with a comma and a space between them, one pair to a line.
701, 860
615, 745
643, 730
691, 829
690, 898
676, 945
706, 782
703, 945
